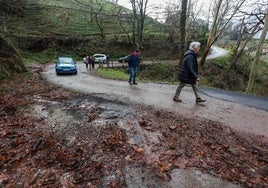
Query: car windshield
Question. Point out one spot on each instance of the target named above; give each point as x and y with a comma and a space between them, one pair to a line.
125, 57
99, 55
66, 60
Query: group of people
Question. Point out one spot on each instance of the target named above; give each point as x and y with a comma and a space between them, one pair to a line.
188, 73
90, 63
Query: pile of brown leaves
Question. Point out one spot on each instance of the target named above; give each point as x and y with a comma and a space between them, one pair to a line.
213, 148
32, 155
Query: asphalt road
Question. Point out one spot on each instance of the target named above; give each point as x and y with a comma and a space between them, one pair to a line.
241, 112
245, 99
236, 97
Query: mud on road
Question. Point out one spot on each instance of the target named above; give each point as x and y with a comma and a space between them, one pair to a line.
159, 96
51, 137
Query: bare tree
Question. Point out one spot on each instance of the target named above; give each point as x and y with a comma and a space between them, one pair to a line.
182, 29
99, 17
184, 23
249, 26
223, 12
172, 20
96, 11
123, 17
245, 36
258, 54
139, 8
196, 25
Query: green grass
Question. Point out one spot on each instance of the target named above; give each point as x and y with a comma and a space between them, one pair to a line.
164, 73
66, 18
262, 70
117, 74
49, 55
216, 76
223, 62
160, 73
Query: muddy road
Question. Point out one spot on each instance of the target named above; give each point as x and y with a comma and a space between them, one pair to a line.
110, 134
190, 143
159, 96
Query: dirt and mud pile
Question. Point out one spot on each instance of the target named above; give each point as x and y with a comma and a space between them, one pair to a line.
54, 138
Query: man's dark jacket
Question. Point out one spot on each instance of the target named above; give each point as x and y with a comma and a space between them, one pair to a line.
189, 69
133, 61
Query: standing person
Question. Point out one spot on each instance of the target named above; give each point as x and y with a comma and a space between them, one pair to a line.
133, 63
92, 62
89, 60
86, 61
108, 60
188, 73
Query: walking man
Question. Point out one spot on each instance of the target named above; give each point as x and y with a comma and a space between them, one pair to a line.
188, 73
133, 63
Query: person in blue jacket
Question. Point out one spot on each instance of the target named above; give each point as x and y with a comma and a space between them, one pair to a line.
188, 73
133, 63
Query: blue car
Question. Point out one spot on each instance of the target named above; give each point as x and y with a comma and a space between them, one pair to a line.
65, 65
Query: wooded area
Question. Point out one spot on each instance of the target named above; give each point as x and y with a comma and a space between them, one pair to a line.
184, 22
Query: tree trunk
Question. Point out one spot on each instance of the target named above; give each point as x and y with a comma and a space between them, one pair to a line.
182, 30
212, 33
204, 55
257, 56
224, 11
139, 8
240, 36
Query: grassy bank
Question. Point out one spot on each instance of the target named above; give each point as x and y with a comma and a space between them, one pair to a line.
214, 74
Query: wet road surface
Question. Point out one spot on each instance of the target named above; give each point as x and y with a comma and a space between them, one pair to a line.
250, 117
238, 111
249, 100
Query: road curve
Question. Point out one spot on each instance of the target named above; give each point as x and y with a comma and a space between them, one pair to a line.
237, 116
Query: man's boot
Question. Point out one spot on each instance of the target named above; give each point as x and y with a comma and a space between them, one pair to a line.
177, 99
129, 81
134, 81
200, 100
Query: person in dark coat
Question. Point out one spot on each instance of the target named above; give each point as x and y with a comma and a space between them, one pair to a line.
188, 73
133, 63
90, 62
85, 59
